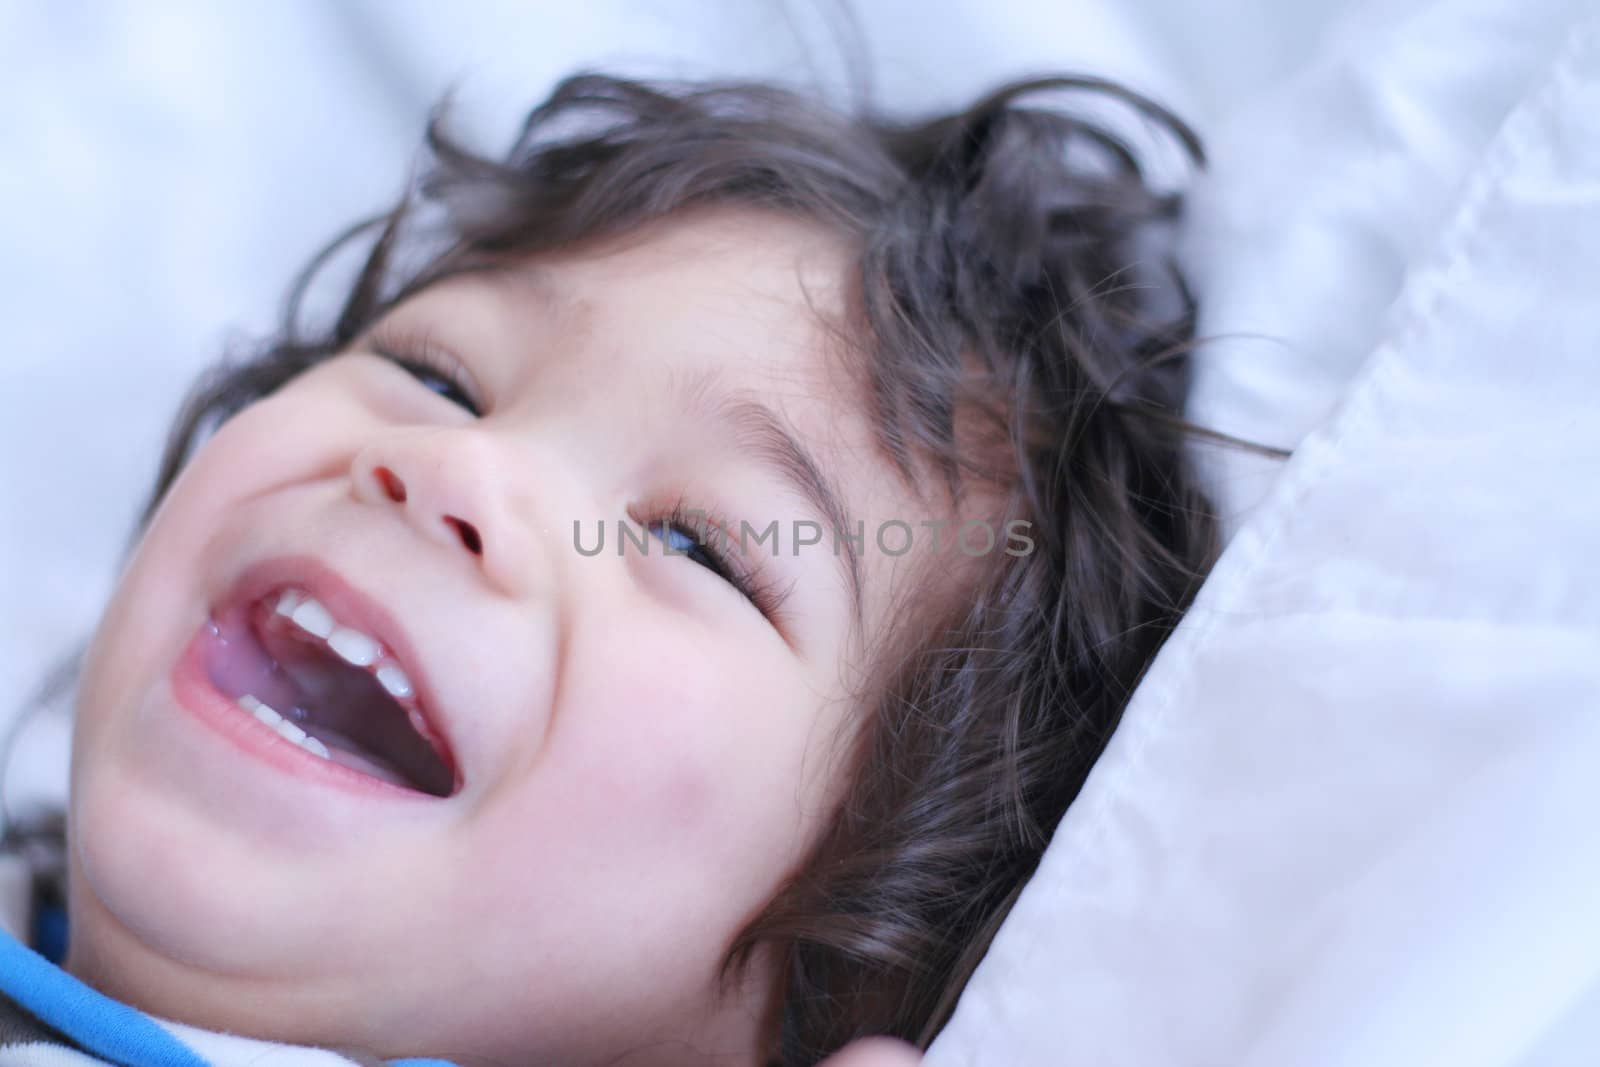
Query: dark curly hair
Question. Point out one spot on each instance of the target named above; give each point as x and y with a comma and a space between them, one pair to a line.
1014, 238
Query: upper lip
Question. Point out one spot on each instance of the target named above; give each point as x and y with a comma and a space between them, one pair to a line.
355, 607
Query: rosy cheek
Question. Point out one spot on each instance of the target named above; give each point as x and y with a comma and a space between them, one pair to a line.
661, 773
653, 748
689, 799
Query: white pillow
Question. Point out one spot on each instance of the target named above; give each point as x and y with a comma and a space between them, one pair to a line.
1349, 817
1323, 191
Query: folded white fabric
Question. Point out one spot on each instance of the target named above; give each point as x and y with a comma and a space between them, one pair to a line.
1349, 817
1325, 191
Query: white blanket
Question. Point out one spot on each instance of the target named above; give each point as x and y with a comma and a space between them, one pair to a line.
1353, 814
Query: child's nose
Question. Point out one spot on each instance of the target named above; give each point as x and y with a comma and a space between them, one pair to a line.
396, 490
453, 489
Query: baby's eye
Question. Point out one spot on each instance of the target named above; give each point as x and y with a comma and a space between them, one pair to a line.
679, 534
429, 364
680, 539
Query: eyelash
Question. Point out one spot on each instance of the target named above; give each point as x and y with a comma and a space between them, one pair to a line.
765, 594
422, 357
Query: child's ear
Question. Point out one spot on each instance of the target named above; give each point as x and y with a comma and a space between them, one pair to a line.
875, 1052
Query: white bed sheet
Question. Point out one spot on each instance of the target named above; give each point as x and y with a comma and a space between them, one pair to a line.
1350, 817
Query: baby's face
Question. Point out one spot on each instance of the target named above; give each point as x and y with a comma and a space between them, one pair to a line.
642, 755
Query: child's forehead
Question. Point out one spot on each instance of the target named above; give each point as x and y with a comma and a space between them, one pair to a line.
742, 263
755, 293
761, 246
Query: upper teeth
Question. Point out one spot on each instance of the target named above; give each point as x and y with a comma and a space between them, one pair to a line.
350, 644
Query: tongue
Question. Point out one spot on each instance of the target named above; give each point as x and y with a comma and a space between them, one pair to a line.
347, 709
347, 753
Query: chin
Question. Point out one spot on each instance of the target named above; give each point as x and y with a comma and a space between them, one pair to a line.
147, 878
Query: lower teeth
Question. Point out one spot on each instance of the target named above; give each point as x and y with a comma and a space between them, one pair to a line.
283, 726
342, 755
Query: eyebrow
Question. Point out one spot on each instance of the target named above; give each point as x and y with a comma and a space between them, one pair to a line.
763, 434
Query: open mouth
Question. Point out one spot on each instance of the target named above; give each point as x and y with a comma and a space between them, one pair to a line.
335, 691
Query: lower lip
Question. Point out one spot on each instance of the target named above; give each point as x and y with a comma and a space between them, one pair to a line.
194, 690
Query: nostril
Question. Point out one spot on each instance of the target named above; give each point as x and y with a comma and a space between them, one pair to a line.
392, 485
469, 535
